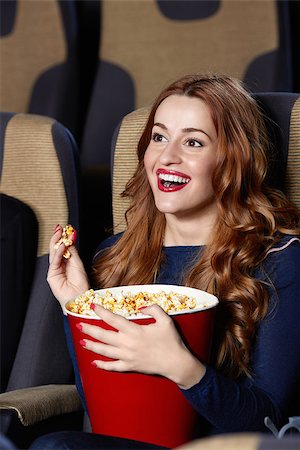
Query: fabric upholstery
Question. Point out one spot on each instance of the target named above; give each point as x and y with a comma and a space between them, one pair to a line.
40, 169
292, 185
38, 46
42, 402
30, 140
282, 112
144, 46
216, 42
125, 162
246, 441
18, 232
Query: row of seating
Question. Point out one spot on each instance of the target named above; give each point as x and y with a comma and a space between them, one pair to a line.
88, 63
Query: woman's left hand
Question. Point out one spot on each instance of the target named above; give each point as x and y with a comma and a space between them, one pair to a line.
156, 348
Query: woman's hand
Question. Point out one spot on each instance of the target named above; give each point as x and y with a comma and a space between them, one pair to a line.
156, 348
66, 277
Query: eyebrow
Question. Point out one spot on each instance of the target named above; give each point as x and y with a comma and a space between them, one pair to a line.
185, 130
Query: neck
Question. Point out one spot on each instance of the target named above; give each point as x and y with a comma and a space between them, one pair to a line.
188, 231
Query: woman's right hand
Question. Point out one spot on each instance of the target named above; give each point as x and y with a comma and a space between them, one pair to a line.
67, 278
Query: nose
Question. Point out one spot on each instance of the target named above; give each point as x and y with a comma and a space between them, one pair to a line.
170, 154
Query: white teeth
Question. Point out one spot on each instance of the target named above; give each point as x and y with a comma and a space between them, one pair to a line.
173, 178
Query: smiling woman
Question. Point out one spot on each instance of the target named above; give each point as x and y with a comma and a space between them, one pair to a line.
179, 162
203, 216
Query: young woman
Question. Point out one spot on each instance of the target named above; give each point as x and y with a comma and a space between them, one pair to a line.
202, 215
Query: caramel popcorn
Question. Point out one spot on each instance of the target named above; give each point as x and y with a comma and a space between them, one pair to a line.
127, 304
66, 239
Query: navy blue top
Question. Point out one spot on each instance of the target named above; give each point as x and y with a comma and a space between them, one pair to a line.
228, 405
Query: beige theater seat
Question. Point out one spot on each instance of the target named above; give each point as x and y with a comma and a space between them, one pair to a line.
39, 169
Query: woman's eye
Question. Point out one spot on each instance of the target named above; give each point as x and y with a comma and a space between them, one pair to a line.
156, 137
194, 143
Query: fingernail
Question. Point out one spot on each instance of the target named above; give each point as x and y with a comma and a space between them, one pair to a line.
92, 306
57, 228
79, 326
94, 363
142, 307
74, 236
82, 342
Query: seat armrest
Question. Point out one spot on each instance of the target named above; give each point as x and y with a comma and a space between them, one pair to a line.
35, 404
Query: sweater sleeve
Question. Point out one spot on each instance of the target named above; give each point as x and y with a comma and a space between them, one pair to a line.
241, 405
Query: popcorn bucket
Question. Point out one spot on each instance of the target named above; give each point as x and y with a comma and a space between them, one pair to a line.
146, 408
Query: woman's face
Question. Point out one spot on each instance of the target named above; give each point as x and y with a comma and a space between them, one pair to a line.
181, 157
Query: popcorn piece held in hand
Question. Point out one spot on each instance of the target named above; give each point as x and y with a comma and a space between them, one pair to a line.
68, 238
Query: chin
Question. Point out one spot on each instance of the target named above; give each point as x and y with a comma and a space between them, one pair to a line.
167, 208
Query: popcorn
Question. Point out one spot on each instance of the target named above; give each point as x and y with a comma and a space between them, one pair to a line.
128, 304
66, 239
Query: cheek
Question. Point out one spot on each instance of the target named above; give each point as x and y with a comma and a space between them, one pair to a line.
148, 163
204, 173
209, 171
206, 168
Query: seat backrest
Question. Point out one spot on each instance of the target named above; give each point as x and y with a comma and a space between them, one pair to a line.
38, 50
146, 45
282, 113
18, 237
39, 168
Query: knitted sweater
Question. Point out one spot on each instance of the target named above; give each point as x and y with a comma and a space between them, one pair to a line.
226, 405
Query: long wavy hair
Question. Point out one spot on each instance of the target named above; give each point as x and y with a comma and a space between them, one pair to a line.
251, 218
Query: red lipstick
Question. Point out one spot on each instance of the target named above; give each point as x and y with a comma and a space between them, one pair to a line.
171, 180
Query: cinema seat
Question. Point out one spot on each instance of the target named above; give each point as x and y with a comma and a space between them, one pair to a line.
38, 170
143, 46
39, 55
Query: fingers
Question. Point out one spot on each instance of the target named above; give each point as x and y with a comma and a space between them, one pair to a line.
145, 349
107, 342
114, 320
73, 250
56, 257
101, 334
54, 239
156, 312
122, 324
112, 366
101, 349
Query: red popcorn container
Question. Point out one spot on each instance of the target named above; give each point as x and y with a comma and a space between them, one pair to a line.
148, 408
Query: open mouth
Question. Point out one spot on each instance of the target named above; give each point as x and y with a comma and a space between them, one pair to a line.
171, 182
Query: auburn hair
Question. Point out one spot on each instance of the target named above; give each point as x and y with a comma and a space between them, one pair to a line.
251, 218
